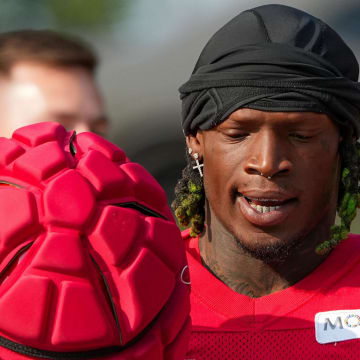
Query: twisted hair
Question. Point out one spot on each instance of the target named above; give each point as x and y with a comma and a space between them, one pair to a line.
190, 199
349, 199
190, 196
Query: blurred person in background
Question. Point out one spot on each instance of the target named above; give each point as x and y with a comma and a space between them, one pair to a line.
47, 76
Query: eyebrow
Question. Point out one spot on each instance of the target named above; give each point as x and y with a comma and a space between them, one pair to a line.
73, 117
296, 118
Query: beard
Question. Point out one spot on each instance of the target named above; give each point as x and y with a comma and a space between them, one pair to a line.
273, 253
279, 250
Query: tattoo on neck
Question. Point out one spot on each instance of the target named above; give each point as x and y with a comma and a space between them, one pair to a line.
240, 287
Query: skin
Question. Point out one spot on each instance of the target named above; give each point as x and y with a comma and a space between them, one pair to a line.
34, 92
300, 153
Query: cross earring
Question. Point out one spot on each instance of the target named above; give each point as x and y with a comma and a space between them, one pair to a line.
198, 165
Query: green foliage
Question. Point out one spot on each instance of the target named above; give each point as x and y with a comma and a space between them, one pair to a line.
62, 14
87, 13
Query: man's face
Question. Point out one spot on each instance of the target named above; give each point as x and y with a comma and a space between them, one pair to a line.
34, 92
299, 151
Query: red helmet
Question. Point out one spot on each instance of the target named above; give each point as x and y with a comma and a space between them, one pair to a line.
91, 262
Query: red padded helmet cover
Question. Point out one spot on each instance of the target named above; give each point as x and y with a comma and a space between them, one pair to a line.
90, 257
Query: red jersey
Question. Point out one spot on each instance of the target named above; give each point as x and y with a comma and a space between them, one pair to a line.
317, 318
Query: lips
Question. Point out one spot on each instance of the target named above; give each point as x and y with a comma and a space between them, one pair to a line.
266, 210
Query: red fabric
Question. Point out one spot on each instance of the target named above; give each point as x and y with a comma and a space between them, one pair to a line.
228, 325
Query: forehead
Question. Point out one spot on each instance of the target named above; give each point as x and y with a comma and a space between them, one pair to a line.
36, 92
68, 84
252, 117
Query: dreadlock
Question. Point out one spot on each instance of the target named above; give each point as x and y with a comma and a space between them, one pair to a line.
349, 198
190, 197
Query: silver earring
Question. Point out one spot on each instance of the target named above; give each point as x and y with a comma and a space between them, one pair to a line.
196, 158
198, 165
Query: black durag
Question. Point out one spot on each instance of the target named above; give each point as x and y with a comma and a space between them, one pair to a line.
273, 58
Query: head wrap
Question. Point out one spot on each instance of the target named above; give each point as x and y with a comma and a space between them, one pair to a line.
273, 58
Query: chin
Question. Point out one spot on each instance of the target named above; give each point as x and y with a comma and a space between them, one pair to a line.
269, 248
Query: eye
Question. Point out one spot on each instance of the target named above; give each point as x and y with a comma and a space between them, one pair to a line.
301, 137
236, 135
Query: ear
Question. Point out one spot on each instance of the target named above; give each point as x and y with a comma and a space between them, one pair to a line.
195, 142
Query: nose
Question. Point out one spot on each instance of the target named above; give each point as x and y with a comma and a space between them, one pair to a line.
269, 155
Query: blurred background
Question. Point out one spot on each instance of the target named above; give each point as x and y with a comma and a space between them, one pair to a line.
147, 49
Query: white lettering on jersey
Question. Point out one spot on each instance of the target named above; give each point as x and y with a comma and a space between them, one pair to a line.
338, 325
